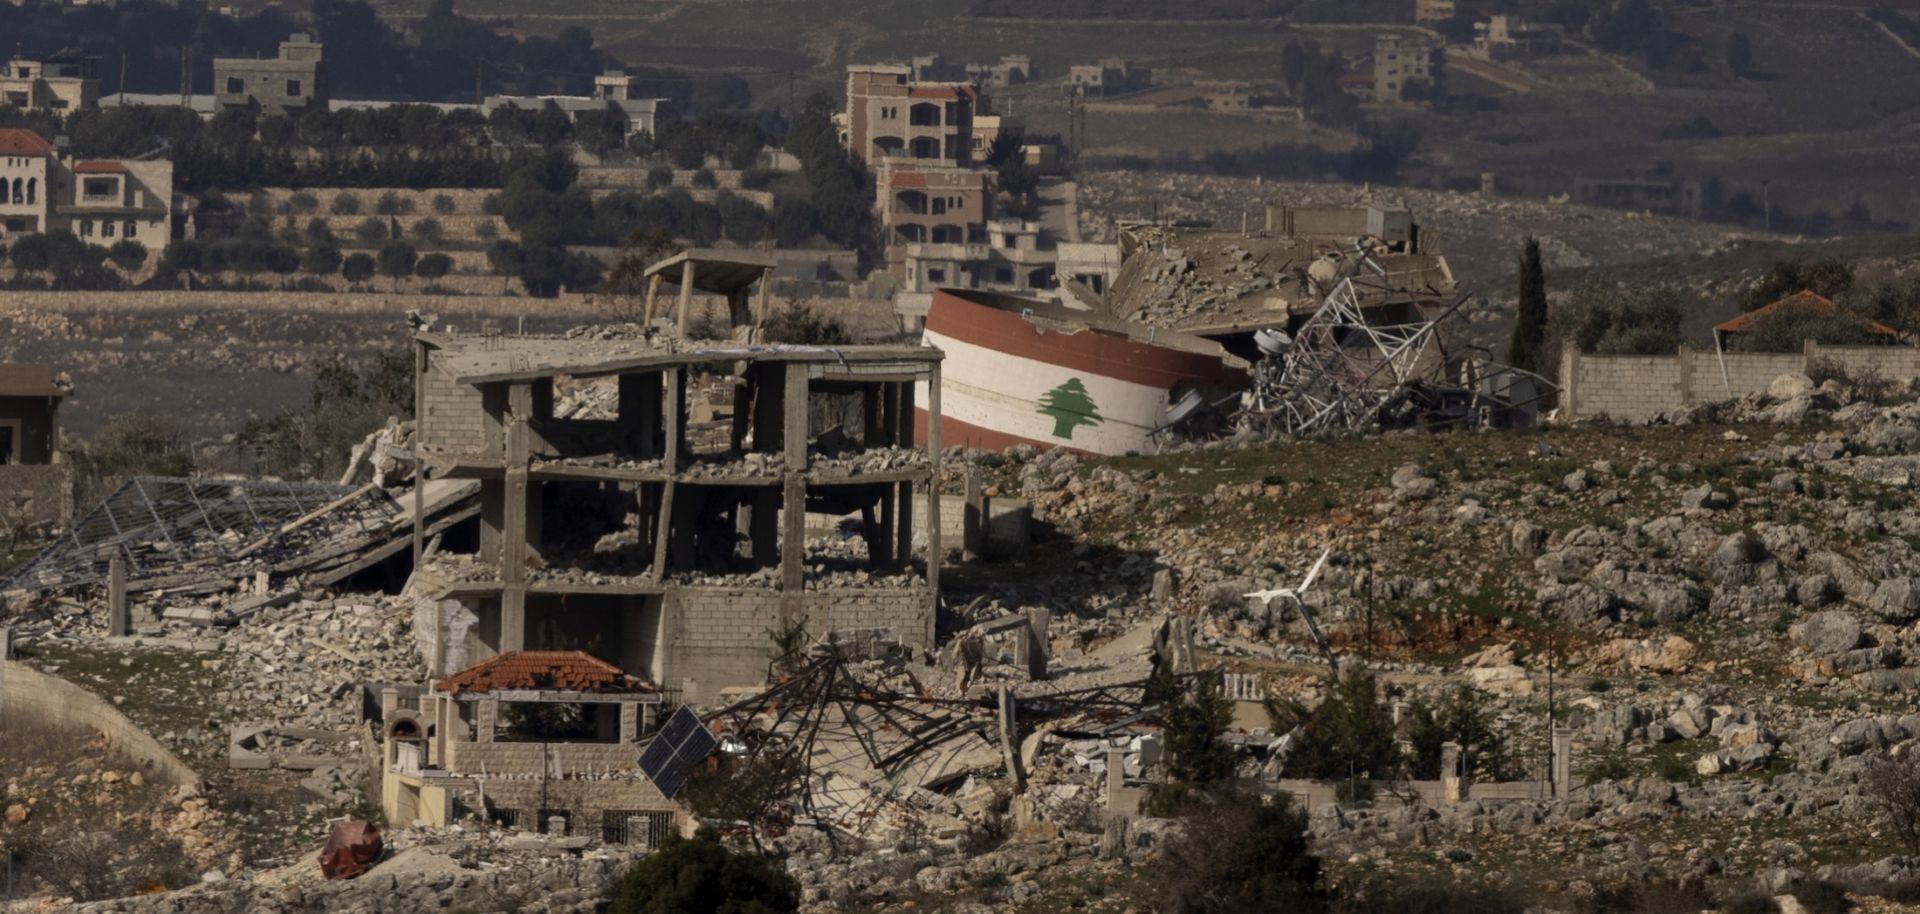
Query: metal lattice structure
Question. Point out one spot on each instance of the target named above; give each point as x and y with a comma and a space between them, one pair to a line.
1343, 365
162, 525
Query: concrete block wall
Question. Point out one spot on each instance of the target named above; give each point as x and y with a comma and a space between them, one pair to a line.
453, 419
531, 758
1634, 387
722, 637
1009, 523
32, 494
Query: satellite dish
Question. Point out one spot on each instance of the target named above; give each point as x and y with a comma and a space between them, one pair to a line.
1186, 407
1272, 342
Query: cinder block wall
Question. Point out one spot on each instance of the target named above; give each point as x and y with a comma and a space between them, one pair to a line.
722, 637
1634, 387
452, 420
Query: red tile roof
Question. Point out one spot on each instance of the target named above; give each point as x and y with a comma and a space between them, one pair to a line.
948, 92
18, 142
560, 671
1803, 300
100, 168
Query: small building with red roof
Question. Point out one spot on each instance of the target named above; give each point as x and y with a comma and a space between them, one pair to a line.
1805, 301
524, 737
103, 201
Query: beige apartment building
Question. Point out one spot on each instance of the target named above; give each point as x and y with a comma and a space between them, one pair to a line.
891, 116
293, 82
58, 82
101, 201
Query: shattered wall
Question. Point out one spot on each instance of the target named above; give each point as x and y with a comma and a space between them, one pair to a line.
1635, 387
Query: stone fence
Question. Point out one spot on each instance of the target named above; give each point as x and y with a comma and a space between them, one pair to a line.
1635, 387
30, 694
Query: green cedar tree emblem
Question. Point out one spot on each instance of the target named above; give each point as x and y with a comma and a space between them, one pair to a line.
1070, 407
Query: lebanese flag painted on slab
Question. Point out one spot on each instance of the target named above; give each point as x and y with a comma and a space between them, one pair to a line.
1005, 381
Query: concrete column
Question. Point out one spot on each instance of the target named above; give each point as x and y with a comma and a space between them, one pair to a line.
1562, 761
1684, 364
486, 711
1570, 381
629, 722
686, 295
793, 539
1453, 784
1039, 622
973, 520
1010, 737
119, 623
793, 427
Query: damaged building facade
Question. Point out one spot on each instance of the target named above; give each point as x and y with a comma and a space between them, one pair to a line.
668, 536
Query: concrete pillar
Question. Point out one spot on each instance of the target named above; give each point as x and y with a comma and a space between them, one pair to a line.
629, 722
973, 520
1117, 779
486, 712
389, 703
1010, 737
686, 295
1562, 761
119, 623
1039, 622
1453, 783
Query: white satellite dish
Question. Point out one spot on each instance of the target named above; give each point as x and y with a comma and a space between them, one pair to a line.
1272, 342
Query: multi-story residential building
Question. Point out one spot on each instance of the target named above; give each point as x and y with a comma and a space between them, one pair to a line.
1403, 69
932, 204
57, 82
891, 116
102, 201
1012, 70
293, 82
26, 176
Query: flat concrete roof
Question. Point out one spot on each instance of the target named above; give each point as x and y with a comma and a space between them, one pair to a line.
721, 272
485, 360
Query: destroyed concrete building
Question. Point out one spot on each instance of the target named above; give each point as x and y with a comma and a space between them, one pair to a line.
666, 545
1227, 285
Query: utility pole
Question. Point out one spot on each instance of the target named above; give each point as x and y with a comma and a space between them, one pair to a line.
123, 77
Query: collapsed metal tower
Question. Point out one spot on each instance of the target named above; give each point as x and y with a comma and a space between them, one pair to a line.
1342, 366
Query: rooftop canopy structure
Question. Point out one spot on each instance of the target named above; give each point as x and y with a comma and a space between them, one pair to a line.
725, 273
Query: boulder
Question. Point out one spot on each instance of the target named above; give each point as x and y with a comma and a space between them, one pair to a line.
1790, 386
1830, 632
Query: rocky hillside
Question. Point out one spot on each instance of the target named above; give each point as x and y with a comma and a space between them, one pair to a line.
1722, 603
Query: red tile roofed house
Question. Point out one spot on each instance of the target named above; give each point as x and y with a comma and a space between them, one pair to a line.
1805, 301
101, 201
525, 736
27, 172
36, 486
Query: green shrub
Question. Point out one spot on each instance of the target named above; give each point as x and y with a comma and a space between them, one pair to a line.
699, 875
345, 204
392, 203
1239, 853
444, 205
1751, 902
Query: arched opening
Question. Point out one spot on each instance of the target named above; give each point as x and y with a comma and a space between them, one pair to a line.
926, 148
33, 190
948, 234
910, 233
925, 114
884, 146
912, 202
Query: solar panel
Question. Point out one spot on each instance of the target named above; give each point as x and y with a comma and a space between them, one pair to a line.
681, 743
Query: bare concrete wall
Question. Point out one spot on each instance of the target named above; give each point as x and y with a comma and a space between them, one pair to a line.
1635, 387
34, 695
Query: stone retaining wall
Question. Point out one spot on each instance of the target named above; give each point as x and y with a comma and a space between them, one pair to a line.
34, 695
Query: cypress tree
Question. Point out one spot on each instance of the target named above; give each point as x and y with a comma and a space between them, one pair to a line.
1525, 349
